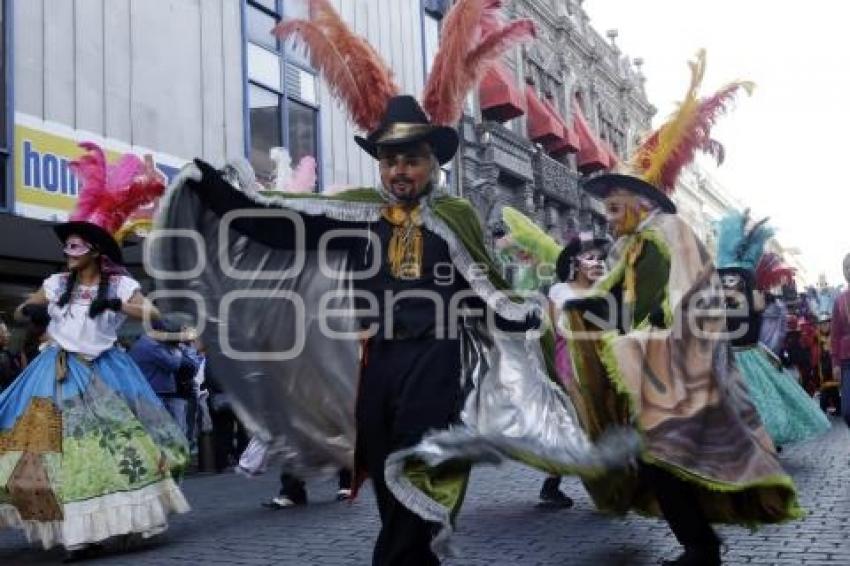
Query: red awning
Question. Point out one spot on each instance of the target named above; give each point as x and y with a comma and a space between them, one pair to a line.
613, 159
592, 156
570, 142
500, 98
543, 127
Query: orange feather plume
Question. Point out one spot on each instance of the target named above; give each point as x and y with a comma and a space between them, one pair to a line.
352, 69
474, 36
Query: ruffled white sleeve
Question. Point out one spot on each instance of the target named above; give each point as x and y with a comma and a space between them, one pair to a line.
52, 287
126, 287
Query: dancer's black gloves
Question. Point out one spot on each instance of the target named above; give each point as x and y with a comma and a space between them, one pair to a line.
101, 305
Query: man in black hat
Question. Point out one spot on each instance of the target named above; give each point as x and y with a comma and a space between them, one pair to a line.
410, 257
420, 256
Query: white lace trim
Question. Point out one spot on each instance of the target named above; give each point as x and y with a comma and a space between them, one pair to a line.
143, 511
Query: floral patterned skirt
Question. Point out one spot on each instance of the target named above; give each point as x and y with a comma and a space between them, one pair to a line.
87, 451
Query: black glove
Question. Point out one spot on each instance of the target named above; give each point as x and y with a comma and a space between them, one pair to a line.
37, 314
532, 322
101, 305
656, 318
597, 306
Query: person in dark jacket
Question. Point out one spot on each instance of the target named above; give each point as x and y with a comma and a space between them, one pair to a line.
9, 364
231, 439
162, 362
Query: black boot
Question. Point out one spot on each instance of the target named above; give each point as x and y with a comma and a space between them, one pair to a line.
83, 552
702, 555
550, 495
344, 491
292, 492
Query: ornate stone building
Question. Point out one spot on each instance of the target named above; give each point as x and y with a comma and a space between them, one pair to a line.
582, 79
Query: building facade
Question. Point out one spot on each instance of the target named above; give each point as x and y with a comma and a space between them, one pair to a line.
175, 78
702, 200
181, 79
584, 80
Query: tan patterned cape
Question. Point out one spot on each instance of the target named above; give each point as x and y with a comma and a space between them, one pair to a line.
679, 385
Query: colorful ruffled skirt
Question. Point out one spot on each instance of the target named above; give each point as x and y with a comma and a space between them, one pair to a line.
87, 451
788, 413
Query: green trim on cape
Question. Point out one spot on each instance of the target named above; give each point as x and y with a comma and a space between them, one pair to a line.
720, 499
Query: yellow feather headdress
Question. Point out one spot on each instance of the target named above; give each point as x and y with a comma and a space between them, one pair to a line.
661, 157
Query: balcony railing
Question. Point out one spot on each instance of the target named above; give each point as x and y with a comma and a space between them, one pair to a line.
555, 180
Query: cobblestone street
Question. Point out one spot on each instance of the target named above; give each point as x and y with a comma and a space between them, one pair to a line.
500, 524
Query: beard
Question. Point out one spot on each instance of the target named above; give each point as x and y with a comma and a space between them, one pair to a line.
405, 191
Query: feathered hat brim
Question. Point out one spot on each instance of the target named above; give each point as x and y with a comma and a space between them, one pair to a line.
603, 185
443, 141
93, 234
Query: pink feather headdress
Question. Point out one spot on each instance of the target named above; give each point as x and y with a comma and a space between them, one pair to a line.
474, 36
111, 194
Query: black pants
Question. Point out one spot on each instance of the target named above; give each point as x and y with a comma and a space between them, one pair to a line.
230, 438
295, 489
408, 388
830, 397
680, 507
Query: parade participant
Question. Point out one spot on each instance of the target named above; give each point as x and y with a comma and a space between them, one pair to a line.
166, 367
523, 270
36, 338
86, 447
576, 266
811, 370
401, 263
659, 357
830, 388
771, 273
9, 363
788, 413
840, 342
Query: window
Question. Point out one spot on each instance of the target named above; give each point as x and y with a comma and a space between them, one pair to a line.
5, 124
430, 37
281, 91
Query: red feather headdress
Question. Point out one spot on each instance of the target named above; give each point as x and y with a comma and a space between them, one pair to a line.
474, 36
661, 157
772, 272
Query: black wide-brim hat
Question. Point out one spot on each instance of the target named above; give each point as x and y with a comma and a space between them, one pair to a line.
603, 185
405, 123
94, 235
576, 247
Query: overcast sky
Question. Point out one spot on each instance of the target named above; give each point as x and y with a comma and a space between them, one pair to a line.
786, 145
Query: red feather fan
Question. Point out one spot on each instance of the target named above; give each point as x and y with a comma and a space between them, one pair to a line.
350, 66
